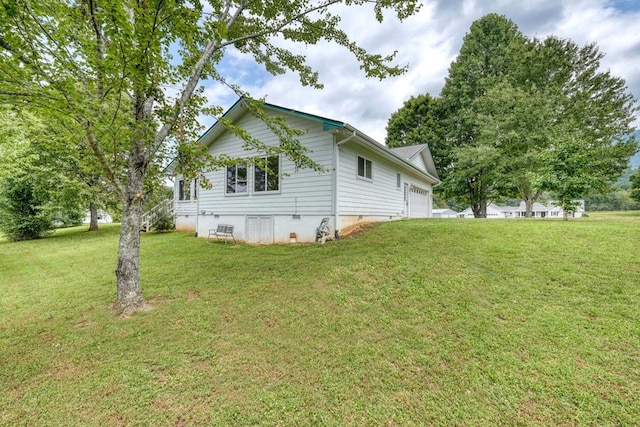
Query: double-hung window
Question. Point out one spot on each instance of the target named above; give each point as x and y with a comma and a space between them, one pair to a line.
266, 175
237, 179
184, 188
364, 168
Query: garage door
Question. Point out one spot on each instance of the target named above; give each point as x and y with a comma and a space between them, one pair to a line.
418, 203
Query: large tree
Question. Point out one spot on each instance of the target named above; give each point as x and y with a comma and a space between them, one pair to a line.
515, 111
419, 121
102, 68
592, 119
635, 185
484, 60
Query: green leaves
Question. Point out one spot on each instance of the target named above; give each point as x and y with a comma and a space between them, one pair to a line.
523, 116
125, 78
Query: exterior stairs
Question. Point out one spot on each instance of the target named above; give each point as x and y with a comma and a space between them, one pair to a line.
149, 217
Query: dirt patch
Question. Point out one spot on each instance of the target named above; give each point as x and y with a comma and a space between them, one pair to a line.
127, 312
356, 229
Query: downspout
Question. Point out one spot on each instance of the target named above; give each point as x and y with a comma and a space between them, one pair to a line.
336, 213
197, 212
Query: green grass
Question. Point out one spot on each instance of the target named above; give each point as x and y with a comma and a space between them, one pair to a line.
426, 322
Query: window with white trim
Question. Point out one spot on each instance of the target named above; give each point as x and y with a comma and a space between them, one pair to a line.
237, 179
365, 168
266, 177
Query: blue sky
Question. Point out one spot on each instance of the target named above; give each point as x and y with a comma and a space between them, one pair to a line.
626, 5
428, 43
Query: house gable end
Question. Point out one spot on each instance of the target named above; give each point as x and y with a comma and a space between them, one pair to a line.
239, 110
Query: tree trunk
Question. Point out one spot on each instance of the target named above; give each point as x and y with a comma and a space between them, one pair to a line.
130, 297
479, 209
528, 206
565, 213
93, 217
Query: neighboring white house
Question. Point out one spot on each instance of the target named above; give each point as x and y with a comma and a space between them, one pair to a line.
103, 217
547, 210
493, 211
445, 213
539, 210
362, 181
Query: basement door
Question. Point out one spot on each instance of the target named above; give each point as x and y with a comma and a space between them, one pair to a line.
418, 203
259, 229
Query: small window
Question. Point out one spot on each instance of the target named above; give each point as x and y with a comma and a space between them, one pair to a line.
364, 167
267, 179
236, 179
183, 190
398, 180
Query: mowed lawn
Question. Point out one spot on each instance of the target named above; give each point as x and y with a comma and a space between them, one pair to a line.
423, 322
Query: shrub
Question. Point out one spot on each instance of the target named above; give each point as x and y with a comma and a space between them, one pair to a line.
162, 222
23, 209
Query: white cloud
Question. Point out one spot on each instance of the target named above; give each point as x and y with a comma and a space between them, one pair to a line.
428, 43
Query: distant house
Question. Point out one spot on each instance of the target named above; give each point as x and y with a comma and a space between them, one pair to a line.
103, 217
493, 211
362, 181
539, 210
548, 210
445, 213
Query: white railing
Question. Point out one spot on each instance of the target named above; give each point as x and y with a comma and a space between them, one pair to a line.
164, 207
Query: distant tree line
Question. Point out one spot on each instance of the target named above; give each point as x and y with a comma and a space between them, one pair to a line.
518, 117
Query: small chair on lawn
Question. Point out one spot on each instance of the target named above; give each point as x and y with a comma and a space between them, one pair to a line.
223, 230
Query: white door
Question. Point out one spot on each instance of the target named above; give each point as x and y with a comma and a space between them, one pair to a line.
418, 203
259, 229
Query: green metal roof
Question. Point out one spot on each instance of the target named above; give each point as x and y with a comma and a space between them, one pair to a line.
327, 124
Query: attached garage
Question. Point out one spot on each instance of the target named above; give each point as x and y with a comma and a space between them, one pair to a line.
419, 202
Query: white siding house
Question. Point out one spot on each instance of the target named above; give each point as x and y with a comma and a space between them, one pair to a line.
548, 210
445, 213
493, 212
361, 181
103, 217
186, 204
539, 210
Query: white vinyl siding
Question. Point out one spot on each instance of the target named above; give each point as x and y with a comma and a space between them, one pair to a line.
376, 197
359, 196
418, 162
185, 204
302, 192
